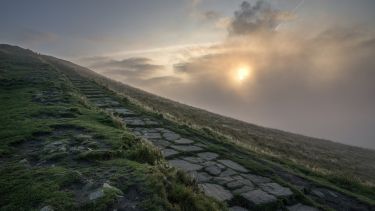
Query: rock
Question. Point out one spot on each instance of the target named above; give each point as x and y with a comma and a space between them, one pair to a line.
228, 172
200, 176
256, 179
233, 165
234, 184
208, 155
276, 189
168, 152
223, 180
24, 161
183, 141
258, 197
185, 148
213, 170
118, 191
216, 191
47, 208
301, 207
243, 189
96, 194
193, 159
160, 143
171, 136
151, 135
184, 165
236, 208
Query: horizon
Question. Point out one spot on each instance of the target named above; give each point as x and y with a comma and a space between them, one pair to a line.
289, 65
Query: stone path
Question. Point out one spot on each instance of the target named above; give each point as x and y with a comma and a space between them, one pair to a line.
217, 176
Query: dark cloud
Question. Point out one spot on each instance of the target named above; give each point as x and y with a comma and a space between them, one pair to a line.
260, 16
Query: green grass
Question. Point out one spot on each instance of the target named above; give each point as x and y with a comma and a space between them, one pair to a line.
116, 156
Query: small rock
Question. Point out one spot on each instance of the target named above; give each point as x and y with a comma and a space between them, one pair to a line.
47, 208
96, 194
200, 176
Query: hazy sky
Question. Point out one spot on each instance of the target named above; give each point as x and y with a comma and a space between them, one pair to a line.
305, 66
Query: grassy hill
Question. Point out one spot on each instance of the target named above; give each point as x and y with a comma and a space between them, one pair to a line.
63, 145
322, 157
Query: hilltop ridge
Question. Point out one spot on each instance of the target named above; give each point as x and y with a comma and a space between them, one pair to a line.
84, 141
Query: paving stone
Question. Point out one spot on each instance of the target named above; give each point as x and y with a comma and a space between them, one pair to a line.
236, 208
184, 165
301, 207
161, 143
243, 189
186, 148
168, 152
216, 191
151, 135
171, 136
276, 189
222, 180
193, 159
228, 172
256, 179
200, 176
208, 155
258, 197
234, 184
233, 165
213, 170
183, 141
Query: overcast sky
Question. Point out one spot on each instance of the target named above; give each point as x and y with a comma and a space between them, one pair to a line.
302, 66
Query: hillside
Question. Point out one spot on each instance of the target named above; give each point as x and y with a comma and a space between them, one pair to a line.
73, 139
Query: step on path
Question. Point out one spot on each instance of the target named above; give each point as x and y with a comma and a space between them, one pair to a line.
218, 177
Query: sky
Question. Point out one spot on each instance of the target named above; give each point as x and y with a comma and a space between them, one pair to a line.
304, 66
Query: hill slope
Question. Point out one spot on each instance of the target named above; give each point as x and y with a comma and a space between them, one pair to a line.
64, 131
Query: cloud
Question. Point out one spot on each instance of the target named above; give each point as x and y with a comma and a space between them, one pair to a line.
320, 85
260, 16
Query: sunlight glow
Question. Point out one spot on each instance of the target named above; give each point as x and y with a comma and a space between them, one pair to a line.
242, 73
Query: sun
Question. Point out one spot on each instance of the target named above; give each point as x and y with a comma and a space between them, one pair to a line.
242, 73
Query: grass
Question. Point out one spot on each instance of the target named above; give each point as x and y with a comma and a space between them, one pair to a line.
33, 175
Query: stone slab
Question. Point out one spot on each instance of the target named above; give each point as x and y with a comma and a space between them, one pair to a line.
208, 155
216, 191
258, 197
184, 165
186, 148
233, 165
276, 189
